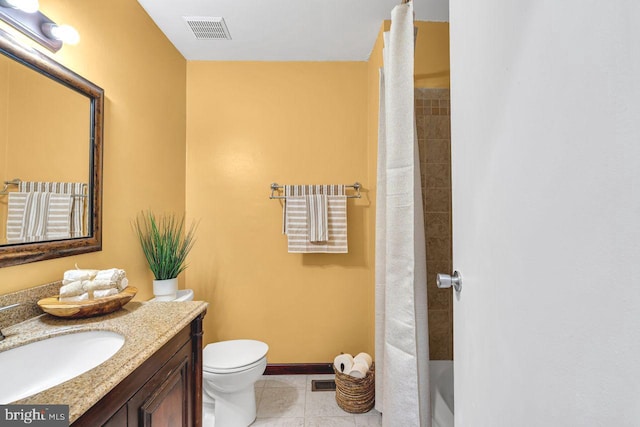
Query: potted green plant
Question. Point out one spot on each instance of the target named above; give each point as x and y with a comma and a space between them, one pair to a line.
165, 244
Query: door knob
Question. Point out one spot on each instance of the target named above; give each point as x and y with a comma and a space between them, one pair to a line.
446, 281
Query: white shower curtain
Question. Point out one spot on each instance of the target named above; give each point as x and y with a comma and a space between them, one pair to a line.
402, 342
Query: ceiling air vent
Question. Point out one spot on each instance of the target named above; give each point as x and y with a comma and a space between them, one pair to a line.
208, 27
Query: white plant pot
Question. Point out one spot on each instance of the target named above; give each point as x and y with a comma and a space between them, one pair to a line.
165, 290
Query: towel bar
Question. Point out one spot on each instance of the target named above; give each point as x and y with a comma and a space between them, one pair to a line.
17, 181
356, 186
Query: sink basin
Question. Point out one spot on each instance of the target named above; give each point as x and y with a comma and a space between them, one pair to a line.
37, 366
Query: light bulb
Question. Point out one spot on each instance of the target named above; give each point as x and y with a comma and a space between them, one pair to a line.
65, 33
28, 6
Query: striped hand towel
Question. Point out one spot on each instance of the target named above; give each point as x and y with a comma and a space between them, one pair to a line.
79, 218
37, 216
58, 224
34, 221
317, 217
16, 206
305, 190
298, 228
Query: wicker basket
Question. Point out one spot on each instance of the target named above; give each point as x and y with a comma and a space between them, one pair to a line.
356, 395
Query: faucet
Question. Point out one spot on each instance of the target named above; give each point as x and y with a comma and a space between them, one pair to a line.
8, 307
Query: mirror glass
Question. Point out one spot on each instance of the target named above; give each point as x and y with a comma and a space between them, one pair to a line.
50, 158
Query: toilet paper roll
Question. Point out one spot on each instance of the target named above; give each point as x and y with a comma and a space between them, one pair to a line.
359, 370
364, 358
343, 363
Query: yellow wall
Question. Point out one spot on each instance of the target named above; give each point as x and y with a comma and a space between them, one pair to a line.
431, 69
250, 124
4, 126
373, 99
56, 148
144, 79
4, 112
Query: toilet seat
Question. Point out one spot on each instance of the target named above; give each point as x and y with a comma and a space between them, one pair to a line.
226, 357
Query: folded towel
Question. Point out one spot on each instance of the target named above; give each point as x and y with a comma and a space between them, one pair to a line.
298, 228
34, 223
100, 285
113, 275
58, 222
317, 217
71, 276
343, 363
15, 216
104, 293
358, 370
73, 289
123, 284
78, 217
82, 297
305, 190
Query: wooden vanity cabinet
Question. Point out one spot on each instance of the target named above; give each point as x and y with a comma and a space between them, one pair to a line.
165, 391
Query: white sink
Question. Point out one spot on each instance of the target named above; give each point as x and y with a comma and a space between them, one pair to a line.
37, 366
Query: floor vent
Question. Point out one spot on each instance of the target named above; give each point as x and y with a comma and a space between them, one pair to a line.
208, 27
323, 385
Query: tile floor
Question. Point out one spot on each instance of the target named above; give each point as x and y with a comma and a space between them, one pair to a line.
287, 401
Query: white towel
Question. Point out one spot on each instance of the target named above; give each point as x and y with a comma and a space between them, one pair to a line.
123, 284
73, 289
317, 217
110, 278
83, 297
71, 276
104, 293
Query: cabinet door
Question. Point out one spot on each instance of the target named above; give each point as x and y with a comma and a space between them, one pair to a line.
167, 407
119, 419
165, 400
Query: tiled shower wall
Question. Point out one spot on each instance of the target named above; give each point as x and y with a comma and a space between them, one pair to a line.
433, 121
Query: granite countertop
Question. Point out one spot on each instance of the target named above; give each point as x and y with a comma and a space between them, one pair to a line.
146, 326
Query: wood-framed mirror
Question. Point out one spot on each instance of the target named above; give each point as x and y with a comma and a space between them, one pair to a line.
51, 140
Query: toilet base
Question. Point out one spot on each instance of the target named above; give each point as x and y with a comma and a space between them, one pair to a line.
237, 409
208, 415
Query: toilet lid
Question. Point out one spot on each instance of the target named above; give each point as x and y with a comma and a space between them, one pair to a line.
234, 354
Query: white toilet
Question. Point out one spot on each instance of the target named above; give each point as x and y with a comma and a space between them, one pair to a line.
230, 370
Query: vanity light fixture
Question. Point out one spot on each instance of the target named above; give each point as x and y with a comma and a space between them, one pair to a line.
36, 25
64, 33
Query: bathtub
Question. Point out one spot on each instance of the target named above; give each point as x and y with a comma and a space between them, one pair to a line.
441, 387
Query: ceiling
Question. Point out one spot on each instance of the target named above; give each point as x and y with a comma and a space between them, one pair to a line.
284, 30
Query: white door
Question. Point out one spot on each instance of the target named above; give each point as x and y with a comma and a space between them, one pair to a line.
545, 101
